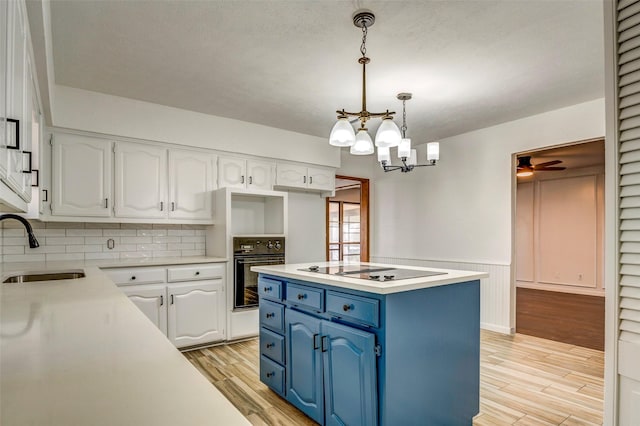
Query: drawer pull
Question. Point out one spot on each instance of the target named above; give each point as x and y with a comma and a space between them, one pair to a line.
302, 296
267, 289
271, 315
270, 345
271, 374
161, 300
347, 308
133, 278
197, 272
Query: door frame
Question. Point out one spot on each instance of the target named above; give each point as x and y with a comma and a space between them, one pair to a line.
364, 218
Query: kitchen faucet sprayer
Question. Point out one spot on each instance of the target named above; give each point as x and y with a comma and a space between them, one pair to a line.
33, 243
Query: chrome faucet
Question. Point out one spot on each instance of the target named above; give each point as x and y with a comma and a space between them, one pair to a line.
33, 243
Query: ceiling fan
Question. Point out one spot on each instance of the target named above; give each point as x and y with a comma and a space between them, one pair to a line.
525, 168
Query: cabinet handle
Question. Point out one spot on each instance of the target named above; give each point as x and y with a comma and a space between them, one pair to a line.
304, 179
250, 180
271, 374
161, 300
46, 195
270, 315
267, 289
310, 179
161, 205
30, 162
173, 206
346, 308
197, 272
302, 296
242, 179
270, 345
133, 278
315, 341
323, 343
106, 203
172, 299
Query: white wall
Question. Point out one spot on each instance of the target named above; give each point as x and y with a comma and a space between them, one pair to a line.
460, 211
96, 112
306, 236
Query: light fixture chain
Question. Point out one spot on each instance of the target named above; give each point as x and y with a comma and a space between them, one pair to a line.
404, 119
363, 47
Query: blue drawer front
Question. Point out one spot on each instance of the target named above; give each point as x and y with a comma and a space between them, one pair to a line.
361, 310
269, 288
272, 374
272, 315
272, 345
305, 297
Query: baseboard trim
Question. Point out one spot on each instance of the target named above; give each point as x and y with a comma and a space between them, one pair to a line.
497, 328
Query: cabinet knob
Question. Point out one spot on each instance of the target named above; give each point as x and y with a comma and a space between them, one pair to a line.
267, 289
197, 272
133, 278
271, 315
271, 374
346, 308
270, 345
301, 296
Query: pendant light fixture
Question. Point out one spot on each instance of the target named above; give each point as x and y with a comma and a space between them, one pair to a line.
406, 154
343, 134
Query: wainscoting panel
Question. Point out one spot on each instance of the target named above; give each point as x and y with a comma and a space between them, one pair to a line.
495, 295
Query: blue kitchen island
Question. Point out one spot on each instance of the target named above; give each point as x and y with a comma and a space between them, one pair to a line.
372, 344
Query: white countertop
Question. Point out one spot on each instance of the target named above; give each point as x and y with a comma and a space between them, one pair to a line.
387, 287
78, 352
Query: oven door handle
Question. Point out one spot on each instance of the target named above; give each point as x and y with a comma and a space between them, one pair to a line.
259, 260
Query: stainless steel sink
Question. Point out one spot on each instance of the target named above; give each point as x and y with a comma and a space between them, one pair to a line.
45, 276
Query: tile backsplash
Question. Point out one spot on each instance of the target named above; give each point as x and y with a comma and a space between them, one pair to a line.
86, 241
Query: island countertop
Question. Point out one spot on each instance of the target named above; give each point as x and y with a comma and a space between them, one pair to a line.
78, 352
293, 270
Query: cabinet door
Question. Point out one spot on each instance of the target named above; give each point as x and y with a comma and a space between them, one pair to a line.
321, 179
304, 364
81, 175
260, 174
152, 301
232, 172
349, 375
291, 175
196, 312
190, 184
140, 181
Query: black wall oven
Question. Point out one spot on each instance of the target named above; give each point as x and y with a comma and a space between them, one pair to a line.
248, 252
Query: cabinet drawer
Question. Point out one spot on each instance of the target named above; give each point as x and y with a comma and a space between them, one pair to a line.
355, 308
303, 296
270, 288
272, 345
272, 315
130, 276
195, 272
272, 374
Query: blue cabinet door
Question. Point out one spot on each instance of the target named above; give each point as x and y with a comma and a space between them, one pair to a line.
304, 364
349, 376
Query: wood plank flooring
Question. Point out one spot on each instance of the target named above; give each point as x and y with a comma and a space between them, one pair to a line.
570, 318
524, 380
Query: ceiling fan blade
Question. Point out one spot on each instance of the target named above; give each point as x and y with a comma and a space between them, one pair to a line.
548, 163
544, 169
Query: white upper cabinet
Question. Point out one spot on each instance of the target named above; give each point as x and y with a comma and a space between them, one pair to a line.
140, 181
296, 176
82, 176
191, 177
240, 173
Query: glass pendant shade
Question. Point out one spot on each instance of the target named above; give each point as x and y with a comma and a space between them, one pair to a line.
342, 133
413, 158
384, 154
363, 145
388, 134
433, 151
404, 149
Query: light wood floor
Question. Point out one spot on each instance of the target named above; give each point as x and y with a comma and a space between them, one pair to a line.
524, 380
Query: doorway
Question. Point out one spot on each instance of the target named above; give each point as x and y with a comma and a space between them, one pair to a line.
347, 227
559, 245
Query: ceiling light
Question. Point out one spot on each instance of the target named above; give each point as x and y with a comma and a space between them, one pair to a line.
407, 155
342, 134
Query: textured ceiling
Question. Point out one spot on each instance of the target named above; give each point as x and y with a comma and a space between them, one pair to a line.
291, 64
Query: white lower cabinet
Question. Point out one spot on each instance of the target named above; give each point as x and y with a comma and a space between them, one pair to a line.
188, 306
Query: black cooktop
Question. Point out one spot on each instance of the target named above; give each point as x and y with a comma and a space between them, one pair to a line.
372, 273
